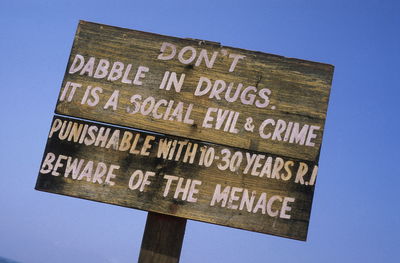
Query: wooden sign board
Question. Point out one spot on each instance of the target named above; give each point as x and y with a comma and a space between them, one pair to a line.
177, 176
197, 90
205, 132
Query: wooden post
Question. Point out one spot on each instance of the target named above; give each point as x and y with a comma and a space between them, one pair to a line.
162, 239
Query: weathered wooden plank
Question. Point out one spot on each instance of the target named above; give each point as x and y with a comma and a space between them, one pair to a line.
162, 239
254, 100
180, 177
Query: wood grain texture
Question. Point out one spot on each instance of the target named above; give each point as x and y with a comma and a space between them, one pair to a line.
54, 178
299, 89
162, 239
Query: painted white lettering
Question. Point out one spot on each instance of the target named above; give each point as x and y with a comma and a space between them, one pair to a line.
219, 196
75, 67
112, 101
47, 164
102, 69
164, 47
286, 208
236, 58
140, 75
116, 71
170, 179
303, 168
192, 56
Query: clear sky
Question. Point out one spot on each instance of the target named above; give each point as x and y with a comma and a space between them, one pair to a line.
356, 212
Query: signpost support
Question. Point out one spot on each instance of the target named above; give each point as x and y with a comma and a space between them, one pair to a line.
162, 239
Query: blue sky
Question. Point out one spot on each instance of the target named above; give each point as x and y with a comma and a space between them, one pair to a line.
355, 216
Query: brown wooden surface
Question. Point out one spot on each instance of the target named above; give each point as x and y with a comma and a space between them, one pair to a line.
152, 199
162, 239
300, 89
